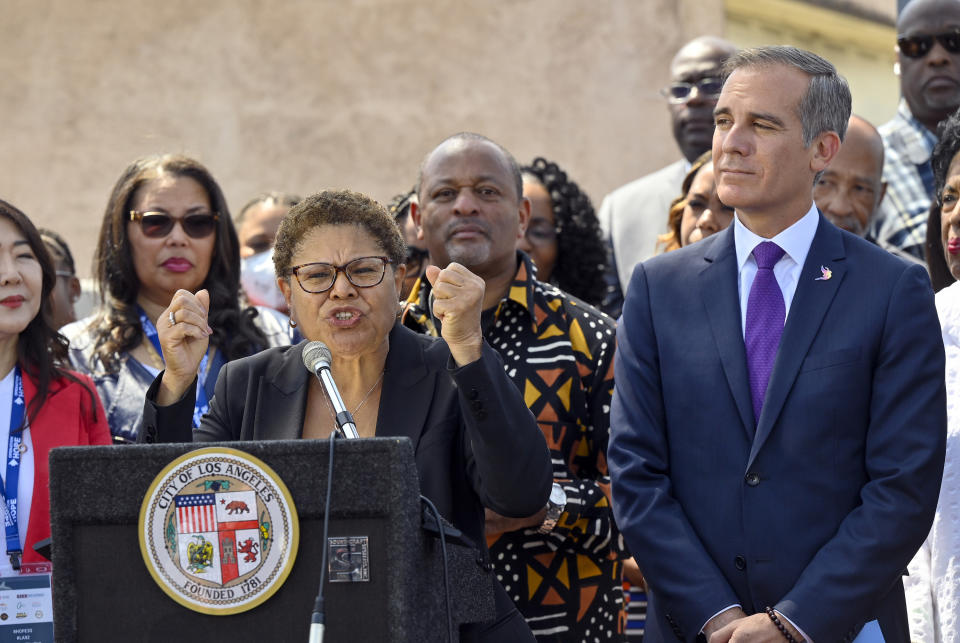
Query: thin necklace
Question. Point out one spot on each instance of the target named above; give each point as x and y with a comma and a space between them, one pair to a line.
362, 402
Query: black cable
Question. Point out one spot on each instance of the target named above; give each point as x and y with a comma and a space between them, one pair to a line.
446, 571
317, 618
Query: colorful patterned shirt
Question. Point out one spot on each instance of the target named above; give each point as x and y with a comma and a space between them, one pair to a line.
559, 351
901, 221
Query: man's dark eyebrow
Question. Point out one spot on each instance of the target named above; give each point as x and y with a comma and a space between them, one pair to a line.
488, 178
447, 180
767, 117
21, 242
763, 116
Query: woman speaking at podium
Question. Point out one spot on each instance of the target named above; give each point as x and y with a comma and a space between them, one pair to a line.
42, 406
338, 259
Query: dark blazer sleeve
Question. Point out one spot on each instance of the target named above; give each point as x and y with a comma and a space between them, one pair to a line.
505, 452
688, 584
174, 423
904, 454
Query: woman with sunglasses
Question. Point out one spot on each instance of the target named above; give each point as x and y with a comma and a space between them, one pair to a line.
166, 227
338, 259
42, 405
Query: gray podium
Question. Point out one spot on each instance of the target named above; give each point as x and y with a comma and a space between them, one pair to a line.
103, 591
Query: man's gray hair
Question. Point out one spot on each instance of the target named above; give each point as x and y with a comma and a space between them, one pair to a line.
824, 107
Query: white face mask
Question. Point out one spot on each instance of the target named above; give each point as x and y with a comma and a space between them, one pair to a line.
260, 282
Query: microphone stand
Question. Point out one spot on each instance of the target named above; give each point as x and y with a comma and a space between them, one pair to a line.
318, 619
345, 424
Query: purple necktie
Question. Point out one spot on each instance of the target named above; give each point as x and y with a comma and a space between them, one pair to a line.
765, 316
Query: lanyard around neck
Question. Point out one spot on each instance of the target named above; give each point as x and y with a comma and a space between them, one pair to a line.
202, 404
15, 449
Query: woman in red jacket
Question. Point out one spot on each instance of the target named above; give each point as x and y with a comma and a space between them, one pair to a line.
42, 406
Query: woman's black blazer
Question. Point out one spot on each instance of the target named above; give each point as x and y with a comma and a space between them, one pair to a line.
475, 442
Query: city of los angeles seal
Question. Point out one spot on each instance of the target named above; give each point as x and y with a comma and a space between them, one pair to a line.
218, 531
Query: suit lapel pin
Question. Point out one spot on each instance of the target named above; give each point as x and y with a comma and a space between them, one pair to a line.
825, 274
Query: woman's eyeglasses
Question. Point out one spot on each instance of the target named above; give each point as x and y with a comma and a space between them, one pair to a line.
363, 272
159, 224
540, 233
920, 46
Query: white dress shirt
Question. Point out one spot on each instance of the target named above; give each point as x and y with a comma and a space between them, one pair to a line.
795, 241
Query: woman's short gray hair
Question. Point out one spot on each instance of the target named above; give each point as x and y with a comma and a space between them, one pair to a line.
824, 107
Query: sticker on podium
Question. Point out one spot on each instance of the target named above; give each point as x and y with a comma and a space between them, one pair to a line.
218, 531
349, 559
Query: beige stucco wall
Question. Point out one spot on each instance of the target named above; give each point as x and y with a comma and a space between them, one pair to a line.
301, 95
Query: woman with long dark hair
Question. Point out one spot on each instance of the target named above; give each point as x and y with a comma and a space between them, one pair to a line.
166, 227
563, 234
42, 405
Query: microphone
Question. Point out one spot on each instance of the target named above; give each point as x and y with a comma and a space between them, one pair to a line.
317, 357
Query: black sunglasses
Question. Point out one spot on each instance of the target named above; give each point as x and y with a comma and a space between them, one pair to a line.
920, 46
159, 224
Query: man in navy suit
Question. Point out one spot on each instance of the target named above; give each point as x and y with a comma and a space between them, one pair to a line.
779, 418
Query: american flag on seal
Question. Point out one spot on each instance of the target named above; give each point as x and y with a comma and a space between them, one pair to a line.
196, 513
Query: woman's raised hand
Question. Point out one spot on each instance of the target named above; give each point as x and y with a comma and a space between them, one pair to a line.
458, 302
184, 338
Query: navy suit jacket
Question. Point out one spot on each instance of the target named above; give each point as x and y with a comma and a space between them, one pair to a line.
816, 508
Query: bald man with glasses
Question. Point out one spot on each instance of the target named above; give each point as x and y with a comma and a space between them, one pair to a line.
633, 215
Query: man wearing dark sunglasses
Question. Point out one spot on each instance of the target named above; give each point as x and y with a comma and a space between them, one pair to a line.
633, 215
928, 55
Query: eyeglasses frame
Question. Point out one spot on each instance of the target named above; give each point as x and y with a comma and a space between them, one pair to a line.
337, 270
665, 91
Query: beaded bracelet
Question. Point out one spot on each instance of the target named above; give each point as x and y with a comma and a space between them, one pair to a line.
776, 621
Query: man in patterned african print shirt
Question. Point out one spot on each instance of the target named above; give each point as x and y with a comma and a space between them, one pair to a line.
561, 566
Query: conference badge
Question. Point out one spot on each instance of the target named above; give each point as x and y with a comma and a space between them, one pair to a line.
218, 531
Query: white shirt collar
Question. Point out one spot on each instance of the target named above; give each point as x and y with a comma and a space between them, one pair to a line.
795, 240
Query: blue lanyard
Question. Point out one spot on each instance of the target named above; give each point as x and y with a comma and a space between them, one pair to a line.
11, 522
203, 404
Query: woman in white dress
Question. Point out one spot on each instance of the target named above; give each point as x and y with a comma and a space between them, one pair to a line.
933, 586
